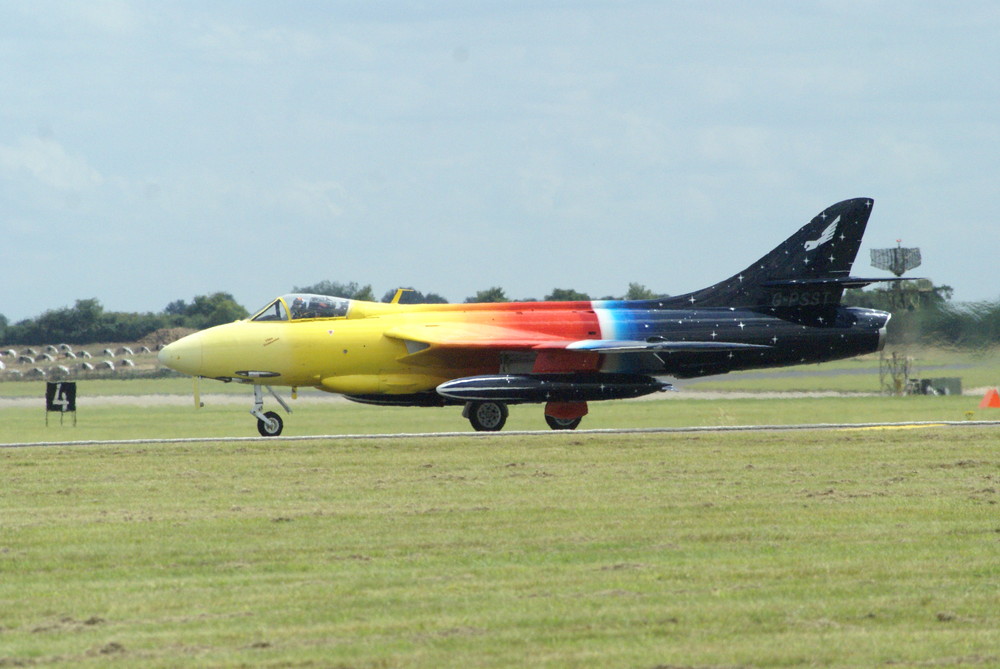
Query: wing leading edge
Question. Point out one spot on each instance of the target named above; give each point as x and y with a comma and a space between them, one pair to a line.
487, 337
630, 346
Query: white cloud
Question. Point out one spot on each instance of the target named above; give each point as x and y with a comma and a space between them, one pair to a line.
252, 46
744, 146
320, 200
108, 17
48, 162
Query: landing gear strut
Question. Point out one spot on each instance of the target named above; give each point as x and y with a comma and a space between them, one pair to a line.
486, 416
268, 424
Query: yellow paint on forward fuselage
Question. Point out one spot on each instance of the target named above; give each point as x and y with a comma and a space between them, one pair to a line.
375, 348
349, 355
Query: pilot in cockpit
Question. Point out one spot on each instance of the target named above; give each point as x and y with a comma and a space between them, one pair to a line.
298, 308
317, 306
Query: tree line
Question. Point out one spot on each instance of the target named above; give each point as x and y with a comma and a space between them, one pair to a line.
87, 322
922, 313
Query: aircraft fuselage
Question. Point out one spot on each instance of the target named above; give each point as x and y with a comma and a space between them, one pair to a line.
356, 356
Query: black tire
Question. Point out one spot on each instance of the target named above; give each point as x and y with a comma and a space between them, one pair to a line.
563, 423
487, 416
272, 427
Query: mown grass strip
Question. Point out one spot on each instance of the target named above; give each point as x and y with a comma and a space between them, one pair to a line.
801, 548
98, 422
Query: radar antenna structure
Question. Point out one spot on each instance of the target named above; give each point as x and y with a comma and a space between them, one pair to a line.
894, 371
897, 260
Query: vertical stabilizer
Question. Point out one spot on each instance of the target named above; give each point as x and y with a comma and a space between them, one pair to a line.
810, 268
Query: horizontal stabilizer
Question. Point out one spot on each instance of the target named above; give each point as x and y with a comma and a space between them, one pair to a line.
841, 281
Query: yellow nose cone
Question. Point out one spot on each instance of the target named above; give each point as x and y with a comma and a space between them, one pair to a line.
184, 355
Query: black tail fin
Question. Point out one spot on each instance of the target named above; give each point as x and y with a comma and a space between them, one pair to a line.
810, 268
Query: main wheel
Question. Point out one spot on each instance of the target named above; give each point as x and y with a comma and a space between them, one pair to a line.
487, 416
272, 426
563, 423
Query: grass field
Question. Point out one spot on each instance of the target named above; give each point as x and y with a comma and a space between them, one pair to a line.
843, 548
852, 548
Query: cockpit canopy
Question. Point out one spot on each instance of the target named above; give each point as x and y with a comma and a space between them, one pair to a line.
301, 306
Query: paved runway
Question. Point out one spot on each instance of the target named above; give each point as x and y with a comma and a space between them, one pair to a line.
522, 433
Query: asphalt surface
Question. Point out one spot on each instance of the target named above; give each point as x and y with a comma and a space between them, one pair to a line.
522, 433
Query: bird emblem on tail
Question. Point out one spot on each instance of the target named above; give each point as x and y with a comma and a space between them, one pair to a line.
824, 236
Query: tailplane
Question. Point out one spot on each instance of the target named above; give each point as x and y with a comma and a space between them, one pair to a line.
810, 268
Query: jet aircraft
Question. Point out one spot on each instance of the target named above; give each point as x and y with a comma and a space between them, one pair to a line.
784, 309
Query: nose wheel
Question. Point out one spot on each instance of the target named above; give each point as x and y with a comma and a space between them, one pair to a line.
268, 424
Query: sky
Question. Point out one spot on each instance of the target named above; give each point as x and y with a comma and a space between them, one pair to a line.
155, 151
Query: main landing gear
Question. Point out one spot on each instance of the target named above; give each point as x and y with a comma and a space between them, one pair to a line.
489, 416
563, 423
486, 416
269, 424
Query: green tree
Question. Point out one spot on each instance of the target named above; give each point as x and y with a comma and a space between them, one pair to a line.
566, 295
969, 325
81, 323
922, 312
351, 291
84, 323
413, 296
897, 296
494, 294
214, 309
637, 291
204, 311
176, 308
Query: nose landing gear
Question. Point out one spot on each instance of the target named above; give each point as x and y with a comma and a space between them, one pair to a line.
268, 424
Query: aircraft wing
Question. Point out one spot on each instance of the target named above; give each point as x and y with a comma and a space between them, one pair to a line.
473, 336
638, 346
419, 338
